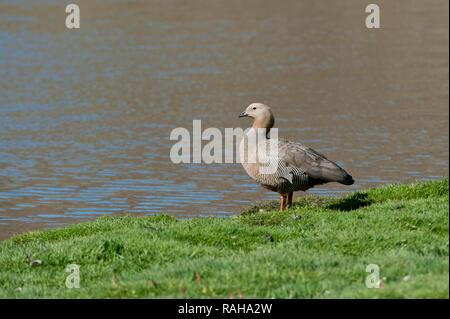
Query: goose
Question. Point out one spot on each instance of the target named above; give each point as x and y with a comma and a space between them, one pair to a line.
297, 167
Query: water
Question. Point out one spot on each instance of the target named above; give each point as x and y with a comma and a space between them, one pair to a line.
85, 115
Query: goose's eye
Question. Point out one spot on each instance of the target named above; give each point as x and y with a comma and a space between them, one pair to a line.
254, 107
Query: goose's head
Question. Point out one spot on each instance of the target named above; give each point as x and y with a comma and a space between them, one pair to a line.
261, 114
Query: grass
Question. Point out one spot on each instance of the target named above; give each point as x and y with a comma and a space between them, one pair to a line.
319, 248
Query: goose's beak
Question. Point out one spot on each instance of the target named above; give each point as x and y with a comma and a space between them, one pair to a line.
243, 114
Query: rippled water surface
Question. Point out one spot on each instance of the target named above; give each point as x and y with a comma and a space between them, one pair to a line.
85, 115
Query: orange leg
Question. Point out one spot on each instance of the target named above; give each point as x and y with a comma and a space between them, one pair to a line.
282, 202
290, 196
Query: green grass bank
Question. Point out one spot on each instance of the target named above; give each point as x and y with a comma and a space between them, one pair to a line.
319, 248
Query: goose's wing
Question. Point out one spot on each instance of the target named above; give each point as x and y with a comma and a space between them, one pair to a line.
314, 164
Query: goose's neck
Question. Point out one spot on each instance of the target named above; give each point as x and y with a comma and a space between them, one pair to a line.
263, 124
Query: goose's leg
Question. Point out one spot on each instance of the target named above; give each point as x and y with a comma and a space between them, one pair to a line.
282, 202
289, 201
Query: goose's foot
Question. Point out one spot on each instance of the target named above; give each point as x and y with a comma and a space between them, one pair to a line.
289, 199
282, 202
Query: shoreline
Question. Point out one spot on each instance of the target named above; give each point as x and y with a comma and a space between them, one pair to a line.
319, 248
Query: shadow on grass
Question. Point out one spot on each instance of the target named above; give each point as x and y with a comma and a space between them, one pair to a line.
352, 202
349, 203
261, 207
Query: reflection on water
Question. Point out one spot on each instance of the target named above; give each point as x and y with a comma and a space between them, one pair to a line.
85, 115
